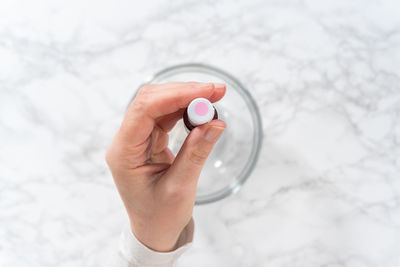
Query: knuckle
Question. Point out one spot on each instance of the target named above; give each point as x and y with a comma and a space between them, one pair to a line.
145, 89
141, 103
144, 98
174, 191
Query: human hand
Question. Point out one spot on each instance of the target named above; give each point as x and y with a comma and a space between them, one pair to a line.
159, 190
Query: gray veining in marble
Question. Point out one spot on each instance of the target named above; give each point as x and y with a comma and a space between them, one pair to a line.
326, 190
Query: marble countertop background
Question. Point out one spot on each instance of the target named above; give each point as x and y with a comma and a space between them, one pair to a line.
325, 74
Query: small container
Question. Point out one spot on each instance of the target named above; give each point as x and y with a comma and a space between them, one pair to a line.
199, 111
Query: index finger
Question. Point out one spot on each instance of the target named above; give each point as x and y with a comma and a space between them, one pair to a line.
154, 101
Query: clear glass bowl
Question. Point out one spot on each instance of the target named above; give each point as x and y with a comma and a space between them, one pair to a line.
234, 156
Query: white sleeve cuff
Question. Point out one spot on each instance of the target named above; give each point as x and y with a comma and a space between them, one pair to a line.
138, 254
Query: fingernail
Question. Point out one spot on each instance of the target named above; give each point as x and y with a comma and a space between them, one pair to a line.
213, 133
219, 85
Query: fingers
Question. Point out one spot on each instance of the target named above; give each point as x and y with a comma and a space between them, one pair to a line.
194, 152
219, 92
154, 101
167, 122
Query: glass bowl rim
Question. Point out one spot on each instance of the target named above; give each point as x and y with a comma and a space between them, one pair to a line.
244, 174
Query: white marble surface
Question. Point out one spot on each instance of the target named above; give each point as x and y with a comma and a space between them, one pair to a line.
326, 190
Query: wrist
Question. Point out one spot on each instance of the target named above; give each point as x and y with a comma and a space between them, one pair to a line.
155, 240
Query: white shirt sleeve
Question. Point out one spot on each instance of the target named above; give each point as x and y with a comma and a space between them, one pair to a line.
132, 253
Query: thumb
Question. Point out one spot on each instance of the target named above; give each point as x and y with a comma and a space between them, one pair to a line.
194, 152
